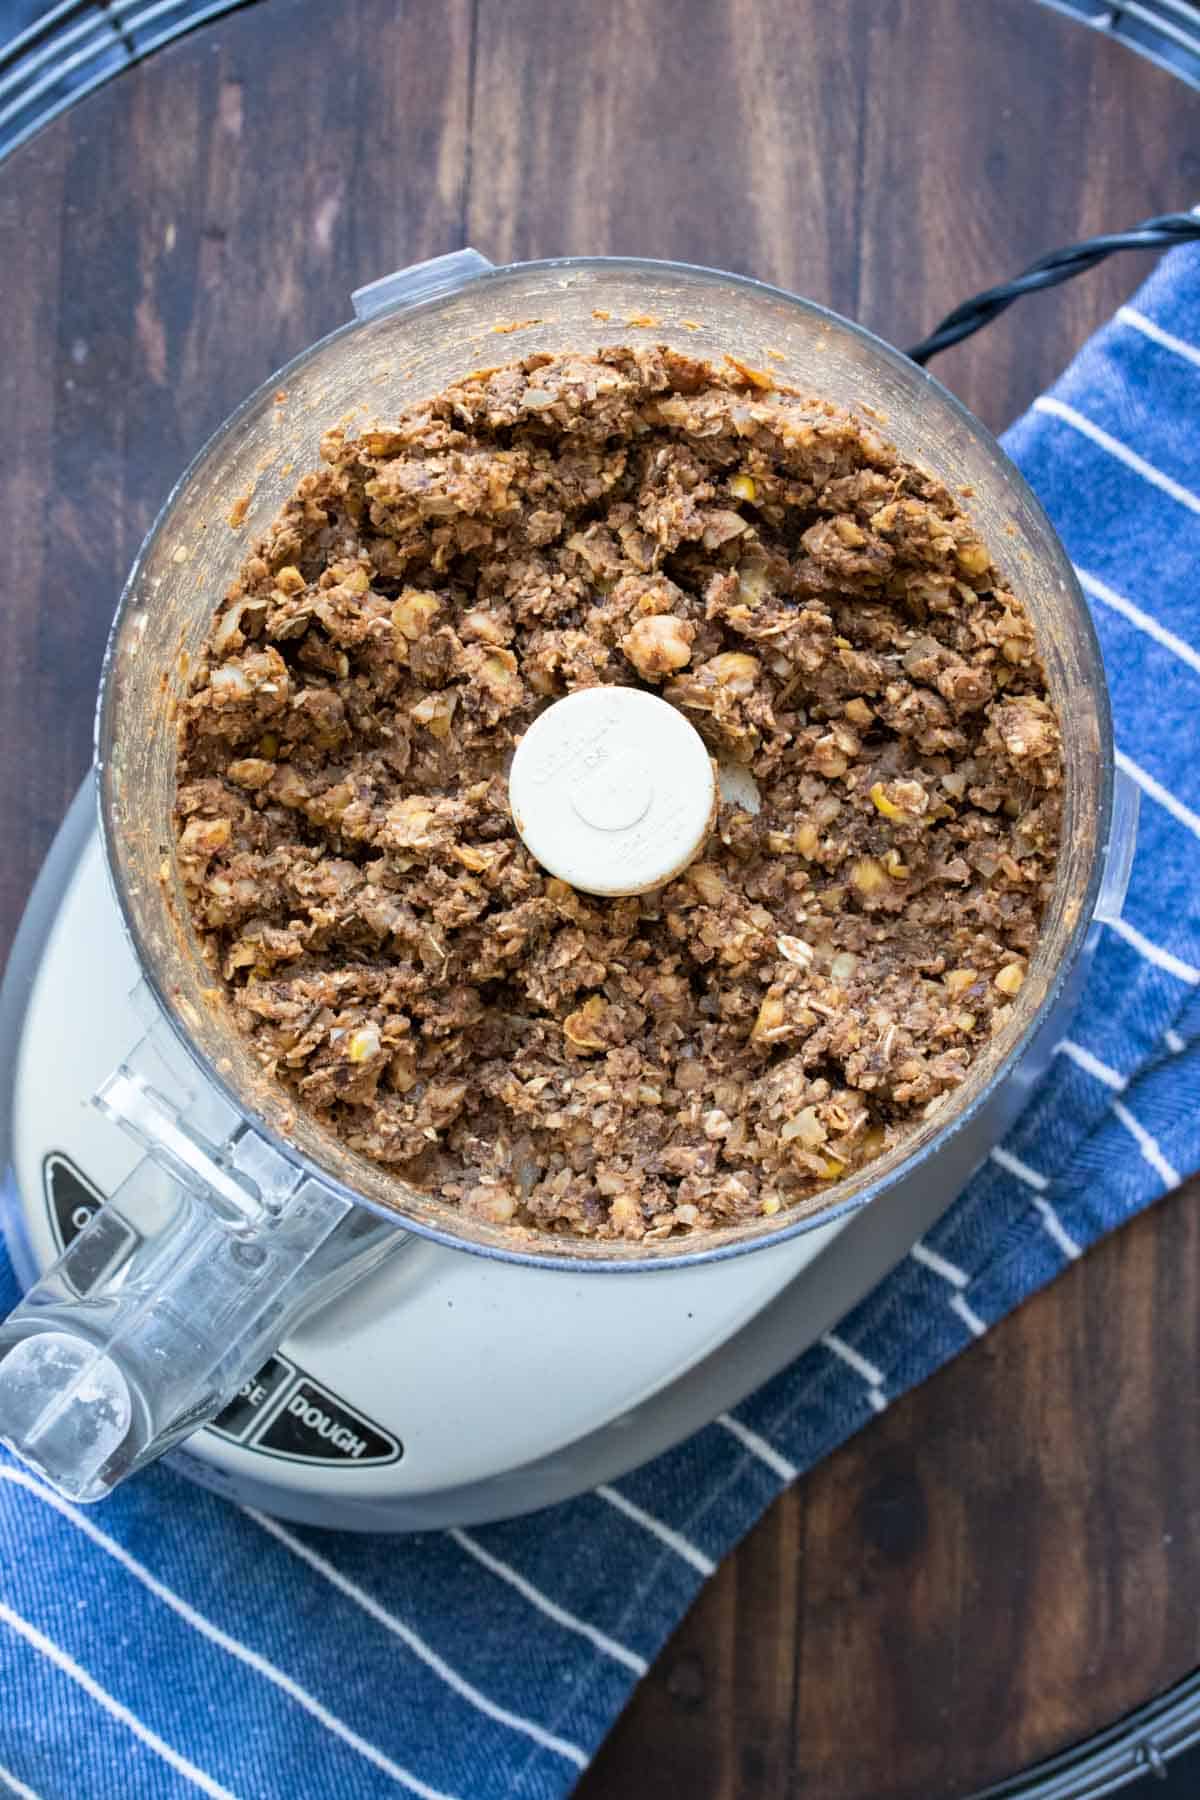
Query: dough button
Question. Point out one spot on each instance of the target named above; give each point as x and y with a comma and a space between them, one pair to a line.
612, 790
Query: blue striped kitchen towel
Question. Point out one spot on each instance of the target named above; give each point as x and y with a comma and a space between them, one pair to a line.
167, 1643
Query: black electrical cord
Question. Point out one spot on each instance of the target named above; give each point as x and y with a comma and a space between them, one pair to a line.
1048, 271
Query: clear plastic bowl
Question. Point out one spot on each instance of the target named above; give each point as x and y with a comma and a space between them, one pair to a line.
419, 332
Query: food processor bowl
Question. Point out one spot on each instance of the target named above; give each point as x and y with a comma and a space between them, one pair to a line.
246, 1160
405, 347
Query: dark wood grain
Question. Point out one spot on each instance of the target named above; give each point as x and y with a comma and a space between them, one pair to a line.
1001, 1564
1007, 1558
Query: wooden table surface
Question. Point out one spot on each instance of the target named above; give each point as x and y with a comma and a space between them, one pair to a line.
1010, 1557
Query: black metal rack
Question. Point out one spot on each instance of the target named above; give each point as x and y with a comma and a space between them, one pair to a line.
1167, 31
52, 52
55, 51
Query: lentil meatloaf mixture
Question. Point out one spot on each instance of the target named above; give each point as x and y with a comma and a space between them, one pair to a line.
824, 613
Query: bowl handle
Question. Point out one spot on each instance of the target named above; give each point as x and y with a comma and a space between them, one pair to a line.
420, 281
180, 1287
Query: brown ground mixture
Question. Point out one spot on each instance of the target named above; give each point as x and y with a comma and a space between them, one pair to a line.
822, 976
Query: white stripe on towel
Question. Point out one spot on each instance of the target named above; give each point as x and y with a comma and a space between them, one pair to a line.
1058, 409
1158, 792
1154, 953
1020, 1169
969, 1317
1057, 1230
91, 1687
941, 1265
1129, 315
1175, 1043
231, 1645
858, 1362
1100, 590
758, 1446
1147, 1145
551, 1608
9, 1781
465, 1689
1050, 1219
1091, 1065
674, 1540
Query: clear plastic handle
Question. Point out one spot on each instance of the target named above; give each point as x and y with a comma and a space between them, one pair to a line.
178, 1290
420, 281
1118, 852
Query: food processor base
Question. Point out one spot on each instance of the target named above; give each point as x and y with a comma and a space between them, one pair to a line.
495, 1388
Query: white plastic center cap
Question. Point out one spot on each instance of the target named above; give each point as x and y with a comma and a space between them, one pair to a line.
612, 790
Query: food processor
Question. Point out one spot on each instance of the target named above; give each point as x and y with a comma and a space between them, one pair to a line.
211, 1274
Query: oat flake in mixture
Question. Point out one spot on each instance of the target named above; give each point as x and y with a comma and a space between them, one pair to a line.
790, 1006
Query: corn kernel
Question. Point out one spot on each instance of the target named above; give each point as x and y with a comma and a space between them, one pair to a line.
806, 1126
492, 1202
771, 1021
834, 1167
436, 712
253, 772
770, 1205
498, 674
807, 840
868, 876
658, 644
362, 1044
708, 882
897, 870
734, 669
409, 821
974, 559
625, 1213
414, 613
957, 981
858, 713
966, 1021
473, 858
289, 580
752, 584
745, 487
828, 758
1009, 979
